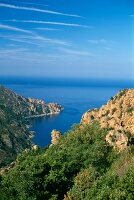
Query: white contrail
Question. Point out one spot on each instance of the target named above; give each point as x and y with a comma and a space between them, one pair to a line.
13, 28
51, 23
47, 29
36, 10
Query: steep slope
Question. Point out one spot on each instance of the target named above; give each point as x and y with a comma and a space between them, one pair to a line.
80, 165
117, 115
14, 134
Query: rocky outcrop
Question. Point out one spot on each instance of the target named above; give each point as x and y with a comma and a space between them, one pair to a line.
35, 147
117, 115
40, 108
5, 170
55, 135
117, 139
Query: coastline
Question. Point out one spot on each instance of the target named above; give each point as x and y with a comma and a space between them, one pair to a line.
43, 115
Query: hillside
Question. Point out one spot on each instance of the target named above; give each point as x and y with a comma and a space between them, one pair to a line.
27, 107
118, 116
14, 134
80, 165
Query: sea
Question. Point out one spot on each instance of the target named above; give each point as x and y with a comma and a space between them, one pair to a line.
75, 95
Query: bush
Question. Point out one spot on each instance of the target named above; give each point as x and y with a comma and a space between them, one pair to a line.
80, 166
130, 109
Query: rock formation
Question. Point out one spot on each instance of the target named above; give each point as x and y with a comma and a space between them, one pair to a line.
55, 135
117, 115
35, 147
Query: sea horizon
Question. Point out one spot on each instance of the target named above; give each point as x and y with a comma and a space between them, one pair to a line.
67, 81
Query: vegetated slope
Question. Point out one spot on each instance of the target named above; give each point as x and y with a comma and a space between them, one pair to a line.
81, 166
14, 134
26, 106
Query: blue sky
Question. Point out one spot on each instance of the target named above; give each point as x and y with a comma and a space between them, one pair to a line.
67, 38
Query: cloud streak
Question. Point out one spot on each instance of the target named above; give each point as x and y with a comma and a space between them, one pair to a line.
131, 15
47, 29
35, 39
12, 50
11, 6
25, 55
36, 4
76, 52
101, 41
108, 43
51, 23
13, 28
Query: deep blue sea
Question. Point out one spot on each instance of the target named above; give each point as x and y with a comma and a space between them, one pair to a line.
75, 95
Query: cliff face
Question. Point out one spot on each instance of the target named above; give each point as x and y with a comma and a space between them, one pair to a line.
118, 116
14, 134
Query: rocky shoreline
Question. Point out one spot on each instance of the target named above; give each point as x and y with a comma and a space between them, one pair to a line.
45, 114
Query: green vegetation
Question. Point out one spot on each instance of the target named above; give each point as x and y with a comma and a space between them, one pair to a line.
122, 93
114, 110
107, 112
14, 133
80, 167
112, 98
92, 117
14, 136
130, 109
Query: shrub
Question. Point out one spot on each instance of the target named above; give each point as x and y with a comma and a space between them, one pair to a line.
130, 109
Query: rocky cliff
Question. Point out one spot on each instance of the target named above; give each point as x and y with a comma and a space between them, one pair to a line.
27, 107
118, 116
14, 134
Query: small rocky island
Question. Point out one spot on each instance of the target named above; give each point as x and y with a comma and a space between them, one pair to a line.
14, 112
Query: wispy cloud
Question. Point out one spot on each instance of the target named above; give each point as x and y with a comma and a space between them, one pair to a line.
35, 39
39, 57
25, 41
12, 50
93, 41
48, 29
131, 15
51, 23
107, 48
100, 41
29, 3
25, 55
13, 28
75, 52
48, 40
36, 10
105, 44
